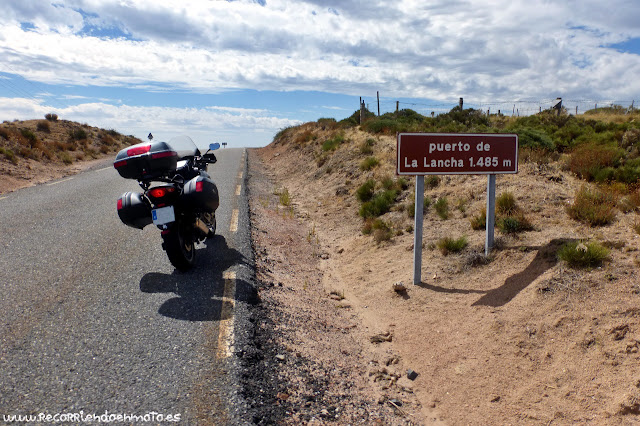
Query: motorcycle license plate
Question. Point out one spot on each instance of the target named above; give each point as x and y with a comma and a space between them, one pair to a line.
163, 215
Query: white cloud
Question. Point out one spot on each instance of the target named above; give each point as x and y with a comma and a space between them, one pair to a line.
202, 124
438, 50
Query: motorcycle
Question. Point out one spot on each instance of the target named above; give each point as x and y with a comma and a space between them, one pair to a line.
183, 206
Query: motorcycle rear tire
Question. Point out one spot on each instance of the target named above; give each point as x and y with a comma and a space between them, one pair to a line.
180, 249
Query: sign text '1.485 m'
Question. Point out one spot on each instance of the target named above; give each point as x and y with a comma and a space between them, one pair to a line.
445, 153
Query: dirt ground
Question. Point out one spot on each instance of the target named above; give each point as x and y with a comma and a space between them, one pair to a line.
523, 339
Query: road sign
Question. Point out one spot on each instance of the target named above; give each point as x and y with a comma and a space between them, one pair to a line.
422, 154
456, 153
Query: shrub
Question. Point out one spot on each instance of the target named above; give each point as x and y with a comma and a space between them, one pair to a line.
4, 134
284, 197
333, 143
51, 117
432, 181
583, 255
9, 155
365, 192
534, 139
77, 134
506, 204
514, 224
29, 136
442, 207
65, 157
449, 245
480, 221
380, 204
399, 184
587, 160
593, 207
369, 163
43, 126
366, 148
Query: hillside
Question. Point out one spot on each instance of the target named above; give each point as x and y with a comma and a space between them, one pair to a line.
519, 337
36, 151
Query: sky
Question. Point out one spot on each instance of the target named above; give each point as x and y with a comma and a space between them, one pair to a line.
238, 71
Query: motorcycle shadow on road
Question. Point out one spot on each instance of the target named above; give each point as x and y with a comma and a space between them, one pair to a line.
199, 292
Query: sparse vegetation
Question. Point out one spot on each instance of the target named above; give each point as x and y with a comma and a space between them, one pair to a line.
369, 163
449, 245
583, 254
506, 204
441, 207
479, 221
365, 192
593, 207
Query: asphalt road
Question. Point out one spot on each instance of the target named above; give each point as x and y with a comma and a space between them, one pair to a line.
93, 317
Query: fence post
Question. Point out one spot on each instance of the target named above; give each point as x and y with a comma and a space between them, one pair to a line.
397, 105
460, 103
361, 110
378, 95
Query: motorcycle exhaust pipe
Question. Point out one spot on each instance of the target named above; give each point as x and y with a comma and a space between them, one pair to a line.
201, 228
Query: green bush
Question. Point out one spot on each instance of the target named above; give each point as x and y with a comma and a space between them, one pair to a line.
588, 160
9, 155
432, 181
365, 192
449, 245
380, 204
593, 207
333, 143
29, 136
583, 255
514, 224
77, 134
51, 117
533, 138
369, 163
441, 207
411, 207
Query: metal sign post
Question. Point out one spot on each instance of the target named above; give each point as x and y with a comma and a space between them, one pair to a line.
421, 154
417, 231
491, 213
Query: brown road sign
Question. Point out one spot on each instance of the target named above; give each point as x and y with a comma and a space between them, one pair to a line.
456, 153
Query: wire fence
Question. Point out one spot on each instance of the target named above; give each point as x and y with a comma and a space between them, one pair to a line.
517, 108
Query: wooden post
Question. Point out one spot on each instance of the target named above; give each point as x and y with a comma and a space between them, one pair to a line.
460, 103
361, 110
397, 105
378, 95
576, 109
417, 230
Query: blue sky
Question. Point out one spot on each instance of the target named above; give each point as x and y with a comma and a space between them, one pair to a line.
238, 71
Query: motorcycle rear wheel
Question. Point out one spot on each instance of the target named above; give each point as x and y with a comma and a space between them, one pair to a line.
180, 249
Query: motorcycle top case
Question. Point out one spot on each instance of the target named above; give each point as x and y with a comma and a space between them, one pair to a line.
134, 210
151, 159
200, 193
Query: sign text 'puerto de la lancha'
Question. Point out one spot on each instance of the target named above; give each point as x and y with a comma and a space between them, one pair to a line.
459, 153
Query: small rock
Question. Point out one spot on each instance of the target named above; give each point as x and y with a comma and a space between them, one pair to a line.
382, 337
495, 398
435, 276
399, 286
283, 396
280, 357
411, 375
340, 251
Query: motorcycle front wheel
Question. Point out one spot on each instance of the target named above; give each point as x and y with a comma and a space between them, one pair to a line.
180, 248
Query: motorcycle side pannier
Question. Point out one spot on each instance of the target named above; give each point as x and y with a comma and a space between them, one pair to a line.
200, 193
149, 160
134, 210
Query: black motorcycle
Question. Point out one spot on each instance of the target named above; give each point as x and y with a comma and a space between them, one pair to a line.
183, 207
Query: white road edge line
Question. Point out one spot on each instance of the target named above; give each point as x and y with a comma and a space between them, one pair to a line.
106, 168
60, 181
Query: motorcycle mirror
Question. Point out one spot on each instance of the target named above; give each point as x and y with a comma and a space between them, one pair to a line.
214, 146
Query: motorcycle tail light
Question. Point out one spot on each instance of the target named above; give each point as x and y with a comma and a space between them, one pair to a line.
137, 150
161, 191
164, 154
119, 203
199, 186
120, 163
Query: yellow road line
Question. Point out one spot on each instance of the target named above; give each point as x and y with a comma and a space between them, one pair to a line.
2, 198
234, 220
225, 334
238, 189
